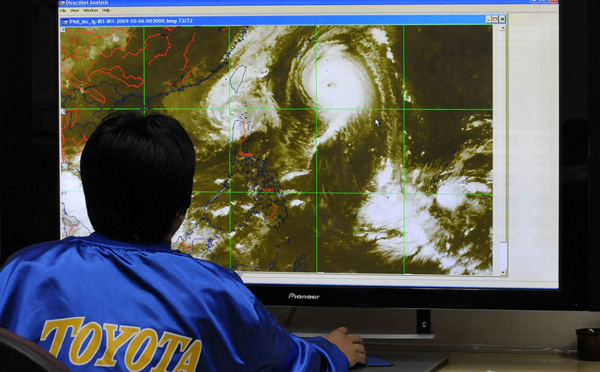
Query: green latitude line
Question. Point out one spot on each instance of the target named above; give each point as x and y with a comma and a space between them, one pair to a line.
449, 109
191, 108
271, 109
356, 109
145, 108
451, 194
105, 108
316, 193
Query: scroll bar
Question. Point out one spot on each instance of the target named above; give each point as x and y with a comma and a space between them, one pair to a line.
500, 172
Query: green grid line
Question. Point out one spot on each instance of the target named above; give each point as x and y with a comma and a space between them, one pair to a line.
403, 150
274, 109
341, 193
229, 174
316, 151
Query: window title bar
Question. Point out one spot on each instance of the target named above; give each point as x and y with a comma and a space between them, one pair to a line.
167, 3
312, 20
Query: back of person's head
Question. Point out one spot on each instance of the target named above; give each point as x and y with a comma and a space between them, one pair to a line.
137, 173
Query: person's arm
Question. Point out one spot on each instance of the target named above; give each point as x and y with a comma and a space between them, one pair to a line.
266, 346
272, 348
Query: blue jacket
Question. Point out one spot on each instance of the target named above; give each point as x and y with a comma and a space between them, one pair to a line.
96, 302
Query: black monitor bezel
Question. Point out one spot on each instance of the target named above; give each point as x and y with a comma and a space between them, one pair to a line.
30, 177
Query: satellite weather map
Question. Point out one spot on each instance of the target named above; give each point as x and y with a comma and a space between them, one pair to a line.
339, 149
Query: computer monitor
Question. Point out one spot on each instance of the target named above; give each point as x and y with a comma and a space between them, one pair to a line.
412, 154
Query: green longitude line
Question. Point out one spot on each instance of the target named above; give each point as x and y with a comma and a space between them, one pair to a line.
316, 154
404, 149
229, 175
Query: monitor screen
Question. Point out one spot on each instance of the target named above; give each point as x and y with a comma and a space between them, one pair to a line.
376, 147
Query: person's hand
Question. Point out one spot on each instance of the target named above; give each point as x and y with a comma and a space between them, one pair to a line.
350, 344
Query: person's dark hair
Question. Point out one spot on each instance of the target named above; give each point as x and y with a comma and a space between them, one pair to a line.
137, 173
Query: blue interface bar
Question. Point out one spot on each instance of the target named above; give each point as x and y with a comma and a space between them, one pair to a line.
165, 3
302, 20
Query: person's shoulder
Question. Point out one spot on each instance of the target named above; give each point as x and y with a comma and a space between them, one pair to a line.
39, 250
209, 267
219, 277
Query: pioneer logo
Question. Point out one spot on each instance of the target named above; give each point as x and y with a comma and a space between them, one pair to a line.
303, 297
